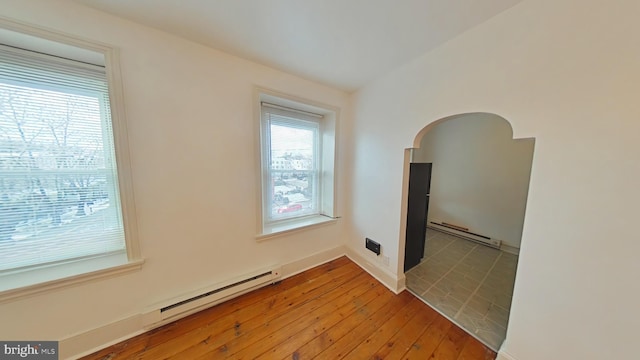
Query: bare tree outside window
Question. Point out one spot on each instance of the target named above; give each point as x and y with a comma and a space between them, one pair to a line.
52, 164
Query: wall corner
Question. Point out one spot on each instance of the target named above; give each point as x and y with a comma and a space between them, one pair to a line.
392, 281
503, 355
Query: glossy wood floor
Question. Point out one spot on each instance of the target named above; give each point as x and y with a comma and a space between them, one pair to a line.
333, 311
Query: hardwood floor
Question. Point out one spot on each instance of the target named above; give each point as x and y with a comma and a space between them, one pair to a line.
333, 311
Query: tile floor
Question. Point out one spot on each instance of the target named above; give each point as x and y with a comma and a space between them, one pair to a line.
472, 284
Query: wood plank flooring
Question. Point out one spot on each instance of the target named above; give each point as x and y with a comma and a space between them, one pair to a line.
333, 311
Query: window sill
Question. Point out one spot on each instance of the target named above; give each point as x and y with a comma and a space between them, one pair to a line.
36, 281
293, 226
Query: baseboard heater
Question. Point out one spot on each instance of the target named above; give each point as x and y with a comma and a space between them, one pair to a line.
464, 233
188, 304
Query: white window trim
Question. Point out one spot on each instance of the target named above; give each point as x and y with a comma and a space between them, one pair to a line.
64, 276
294, 225
328, 195
111, 266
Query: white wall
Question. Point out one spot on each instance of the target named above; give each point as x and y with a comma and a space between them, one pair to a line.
562, 71
565, 72
480, 175
191, 126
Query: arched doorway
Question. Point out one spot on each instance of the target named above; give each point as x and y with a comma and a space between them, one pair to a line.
464, 263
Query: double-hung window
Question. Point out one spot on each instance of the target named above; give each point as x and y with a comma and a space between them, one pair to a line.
293, 168
297, 161
60, 207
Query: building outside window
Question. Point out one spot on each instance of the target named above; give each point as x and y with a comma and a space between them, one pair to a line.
297, 150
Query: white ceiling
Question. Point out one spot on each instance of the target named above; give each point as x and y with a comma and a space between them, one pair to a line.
342, 43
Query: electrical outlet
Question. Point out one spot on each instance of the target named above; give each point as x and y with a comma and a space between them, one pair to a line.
385, 260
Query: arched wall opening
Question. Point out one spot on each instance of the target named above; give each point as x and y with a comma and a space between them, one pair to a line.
480, 176
466, 185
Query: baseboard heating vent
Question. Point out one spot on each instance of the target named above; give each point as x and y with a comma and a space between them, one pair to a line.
464, 233
199, 300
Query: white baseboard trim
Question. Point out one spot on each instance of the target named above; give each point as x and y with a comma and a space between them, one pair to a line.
401, 283
503, 355
510, 249
387, 278
88, 342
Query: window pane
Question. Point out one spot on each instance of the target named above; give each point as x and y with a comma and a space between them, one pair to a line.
293, 170
58, 190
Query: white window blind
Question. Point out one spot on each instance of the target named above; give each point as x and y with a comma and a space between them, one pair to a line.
59, 196
291, 163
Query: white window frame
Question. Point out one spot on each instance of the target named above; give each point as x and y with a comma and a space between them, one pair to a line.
308, 111
295, 119
45, 278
